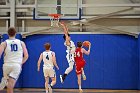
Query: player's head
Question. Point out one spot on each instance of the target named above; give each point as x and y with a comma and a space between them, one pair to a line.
12, 32
79, 44
68, 37
47, 46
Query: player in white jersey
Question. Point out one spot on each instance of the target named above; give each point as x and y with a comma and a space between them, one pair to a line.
49, 60
14, 50
70, 52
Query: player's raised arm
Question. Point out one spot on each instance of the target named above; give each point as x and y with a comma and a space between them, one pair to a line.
65, 28
25, 53
54, 60
2, 47
85, 51
39, 62
66, 33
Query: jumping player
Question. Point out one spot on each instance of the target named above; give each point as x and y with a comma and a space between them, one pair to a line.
49, 60
13, 49
70, 52
80, 62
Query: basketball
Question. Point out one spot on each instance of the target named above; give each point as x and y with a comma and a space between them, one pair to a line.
86, 43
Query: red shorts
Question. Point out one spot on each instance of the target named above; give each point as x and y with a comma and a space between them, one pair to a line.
79, 65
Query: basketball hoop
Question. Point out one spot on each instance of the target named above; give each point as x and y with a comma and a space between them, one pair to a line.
54, 18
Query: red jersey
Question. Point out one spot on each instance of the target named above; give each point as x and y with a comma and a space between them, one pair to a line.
79, 60
78, 55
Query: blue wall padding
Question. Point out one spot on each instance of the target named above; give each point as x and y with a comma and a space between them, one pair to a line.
5, 36
112, 64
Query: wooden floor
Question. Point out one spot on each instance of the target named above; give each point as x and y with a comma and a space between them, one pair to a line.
72, 91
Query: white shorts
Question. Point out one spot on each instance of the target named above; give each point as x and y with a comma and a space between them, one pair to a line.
11, 70
70, 57
49, 72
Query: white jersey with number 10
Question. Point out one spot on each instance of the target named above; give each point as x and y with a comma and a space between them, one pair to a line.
13, 51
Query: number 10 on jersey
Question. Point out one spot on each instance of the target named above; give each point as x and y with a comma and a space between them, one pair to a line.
14, 47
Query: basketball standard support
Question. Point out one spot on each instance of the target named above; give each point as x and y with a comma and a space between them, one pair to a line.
58, 7
23, 25
12, 13
85, 21
7, 25
109, 15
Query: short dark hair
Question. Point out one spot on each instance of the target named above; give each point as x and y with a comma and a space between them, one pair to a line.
11, 31
47, 46
64, 36
79, 44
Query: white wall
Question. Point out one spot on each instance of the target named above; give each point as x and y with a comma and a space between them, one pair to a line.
104, 10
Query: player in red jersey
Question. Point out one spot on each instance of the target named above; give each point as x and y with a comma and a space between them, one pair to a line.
80, 62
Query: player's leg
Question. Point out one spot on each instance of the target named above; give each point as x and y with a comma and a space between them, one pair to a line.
52, 84
82, 68
4, 80
46, 75
78, 67
83, 74
53, 81
52, 74
70, 59
46, 84
3, 83
11, 84
13, 76
68, 70
79, 82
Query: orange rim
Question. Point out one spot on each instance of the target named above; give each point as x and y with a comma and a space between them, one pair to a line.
55, 16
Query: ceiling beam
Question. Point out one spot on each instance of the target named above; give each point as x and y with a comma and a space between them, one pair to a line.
85, 21
109, 15
135, 1
132, 1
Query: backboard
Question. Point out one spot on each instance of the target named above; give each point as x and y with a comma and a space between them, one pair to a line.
69, 9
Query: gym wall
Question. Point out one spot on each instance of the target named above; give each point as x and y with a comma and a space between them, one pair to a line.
112, 64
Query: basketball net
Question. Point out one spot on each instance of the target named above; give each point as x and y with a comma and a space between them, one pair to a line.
54, 18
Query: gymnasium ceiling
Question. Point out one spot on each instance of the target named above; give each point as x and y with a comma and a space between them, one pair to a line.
117, 15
